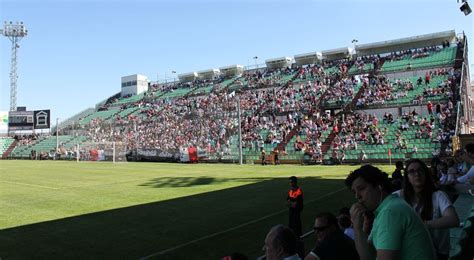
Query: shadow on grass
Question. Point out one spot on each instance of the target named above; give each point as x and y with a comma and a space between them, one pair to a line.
180, 182
141, 230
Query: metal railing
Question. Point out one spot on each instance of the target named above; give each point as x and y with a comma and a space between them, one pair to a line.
462, 92
73, 119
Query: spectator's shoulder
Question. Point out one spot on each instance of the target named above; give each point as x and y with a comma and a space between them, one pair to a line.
399, 193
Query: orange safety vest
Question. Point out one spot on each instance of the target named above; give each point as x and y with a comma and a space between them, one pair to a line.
293, 194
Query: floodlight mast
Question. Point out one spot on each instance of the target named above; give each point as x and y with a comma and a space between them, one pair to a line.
15, 32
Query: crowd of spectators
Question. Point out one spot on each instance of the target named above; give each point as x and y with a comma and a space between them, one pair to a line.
26, 140
380, 90
358, 128
191, 121
313, 129
206, 122
272, 108
416, 53
408, 216
455, 174
264, 78
354, 129
361, 64
341, 91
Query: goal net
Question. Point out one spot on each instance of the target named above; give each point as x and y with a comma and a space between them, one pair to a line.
103, 151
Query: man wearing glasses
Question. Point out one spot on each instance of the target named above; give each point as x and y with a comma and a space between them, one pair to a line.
331, 243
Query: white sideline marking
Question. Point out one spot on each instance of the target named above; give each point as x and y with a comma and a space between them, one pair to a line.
231, 229
77, 186
31, 185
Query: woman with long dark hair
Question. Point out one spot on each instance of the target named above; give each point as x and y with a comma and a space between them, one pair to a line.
433, 206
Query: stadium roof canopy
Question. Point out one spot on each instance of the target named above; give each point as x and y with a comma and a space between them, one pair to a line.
407, 43
187, 77
278, 63
208, 74
336, 54
308, 58
232, 70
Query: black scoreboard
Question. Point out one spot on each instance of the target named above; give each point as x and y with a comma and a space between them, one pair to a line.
20, 120
29, 120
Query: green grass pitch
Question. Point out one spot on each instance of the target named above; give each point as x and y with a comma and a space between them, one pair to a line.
84, 210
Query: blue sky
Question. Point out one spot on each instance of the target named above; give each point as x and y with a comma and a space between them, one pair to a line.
76, 51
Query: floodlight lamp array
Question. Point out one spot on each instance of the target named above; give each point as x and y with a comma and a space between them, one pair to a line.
11, 29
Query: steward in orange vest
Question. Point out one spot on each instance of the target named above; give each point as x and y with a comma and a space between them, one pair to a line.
295, 205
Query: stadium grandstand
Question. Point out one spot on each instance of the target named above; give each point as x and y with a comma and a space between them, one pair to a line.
382, 101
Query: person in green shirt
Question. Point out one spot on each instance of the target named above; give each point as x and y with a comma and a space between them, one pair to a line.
397, 231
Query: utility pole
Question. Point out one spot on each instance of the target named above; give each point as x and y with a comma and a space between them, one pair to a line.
240, 132
57, 138
354, 42
256, 61
174, 76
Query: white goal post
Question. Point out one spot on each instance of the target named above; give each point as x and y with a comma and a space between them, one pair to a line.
102, 151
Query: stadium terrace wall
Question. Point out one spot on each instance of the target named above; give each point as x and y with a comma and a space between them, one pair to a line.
465, 121
412, 73
152, 155
395, 110
73, 119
